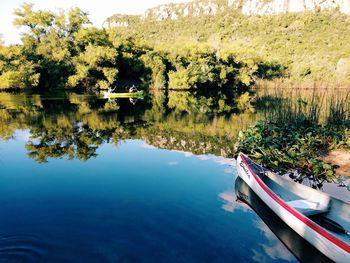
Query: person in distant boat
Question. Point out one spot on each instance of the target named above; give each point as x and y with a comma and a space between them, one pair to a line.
133, 89
132, 101
110, 90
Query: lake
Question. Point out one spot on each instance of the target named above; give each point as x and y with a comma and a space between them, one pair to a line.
85, 179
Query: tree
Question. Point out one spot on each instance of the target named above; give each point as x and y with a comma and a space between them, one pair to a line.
15, 70
38, 22
94, 68
155, 69
50, 43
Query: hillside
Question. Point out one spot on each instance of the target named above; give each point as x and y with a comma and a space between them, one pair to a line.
225, 49
309, 45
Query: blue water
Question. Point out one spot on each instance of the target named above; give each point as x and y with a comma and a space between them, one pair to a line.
132, 203
84, 179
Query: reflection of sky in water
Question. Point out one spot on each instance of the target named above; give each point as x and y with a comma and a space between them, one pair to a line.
133, 202
270, 247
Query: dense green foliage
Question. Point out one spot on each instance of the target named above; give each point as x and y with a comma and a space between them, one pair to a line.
15, 70
224, 50
302, 46
63, 50
57, 50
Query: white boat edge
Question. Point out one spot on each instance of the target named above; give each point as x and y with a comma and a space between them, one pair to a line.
316, 235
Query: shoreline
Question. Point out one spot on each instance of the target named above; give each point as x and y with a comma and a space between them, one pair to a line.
341, 158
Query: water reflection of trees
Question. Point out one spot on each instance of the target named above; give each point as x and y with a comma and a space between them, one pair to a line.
197, 123
75, 126
66, 139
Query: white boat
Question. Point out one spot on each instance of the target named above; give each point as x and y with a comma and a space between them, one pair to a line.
319, 218
297, 245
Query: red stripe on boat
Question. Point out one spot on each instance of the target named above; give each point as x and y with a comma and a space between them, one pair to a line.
295, 213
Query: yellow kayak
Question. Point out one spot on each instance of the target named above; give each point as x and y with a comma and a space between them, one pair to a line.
112, 95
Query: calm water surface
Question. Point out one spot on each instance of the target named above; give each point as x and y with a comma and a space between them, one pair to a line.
88, 180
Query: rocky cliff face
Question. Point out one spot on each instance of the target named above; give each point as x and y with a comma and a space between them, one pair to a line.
247, 7
260, 7
212, 7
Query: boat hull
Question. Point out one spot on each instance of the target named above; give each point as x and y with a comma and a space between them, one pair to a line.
293, 242
317, 236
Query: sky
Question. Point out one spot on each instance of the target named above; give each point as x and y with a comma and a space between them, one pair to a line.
98, 11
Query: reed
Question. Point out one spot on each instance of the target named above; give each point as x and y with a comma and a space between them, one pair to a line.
339, 111
315, 106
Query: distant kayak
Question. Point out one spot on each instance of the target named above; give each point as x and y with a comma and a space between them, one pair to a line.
114, 95
319, 218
